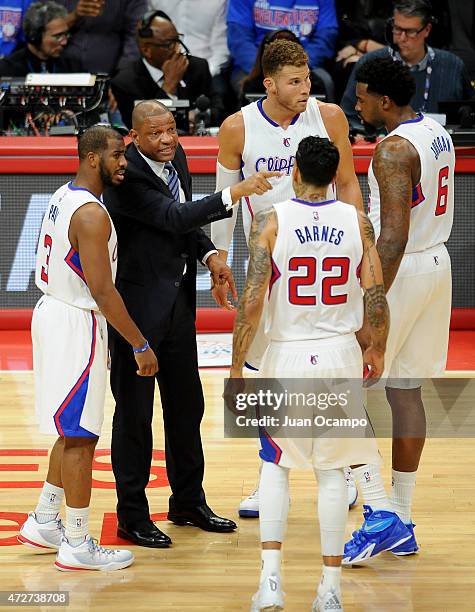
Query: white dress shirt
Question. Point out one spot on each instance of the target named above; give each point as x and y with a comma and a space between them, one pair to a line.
159, 170
203, 22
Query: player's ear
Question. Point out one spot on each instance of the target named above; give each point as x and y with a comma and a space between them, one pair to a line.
93, 159
386, 102
269, 84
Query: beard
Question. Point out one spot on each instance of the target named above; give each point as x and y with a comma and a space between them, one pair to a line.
105, 174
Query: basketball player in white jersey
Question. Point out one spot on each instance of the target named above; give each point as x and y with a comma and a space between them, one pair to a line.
75, 270
300, 249
411, 180
265, 135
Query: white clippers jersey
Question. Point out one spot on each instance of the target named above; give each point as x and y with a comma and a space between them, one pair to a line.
432, 206
58, 267
267, 146
314, 291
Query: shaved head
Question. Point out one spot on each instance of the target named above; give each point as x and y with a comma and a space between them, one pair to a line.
145, 109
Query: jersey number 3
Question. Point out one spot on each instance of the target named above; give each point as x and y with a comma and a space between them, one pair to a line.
328, 282
47, 243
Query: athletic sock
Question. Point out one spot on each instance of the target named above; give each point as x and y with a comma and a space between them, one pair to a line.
49, 503
331, 578
270, 563
372, 487
402, 489
77, 525
332, 510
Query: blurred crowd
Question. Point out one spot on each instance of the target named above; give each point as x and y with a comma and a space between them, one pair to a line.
208, 51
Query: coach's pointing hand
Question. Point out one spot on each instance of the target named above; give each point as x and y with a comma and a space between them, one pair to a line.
255, 184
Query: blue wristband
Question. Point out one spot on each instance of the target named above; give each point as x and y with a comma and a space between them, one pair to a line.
142, 349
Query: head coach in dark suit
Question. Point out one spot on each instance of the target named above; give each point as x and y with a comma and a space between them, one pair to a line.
160, 241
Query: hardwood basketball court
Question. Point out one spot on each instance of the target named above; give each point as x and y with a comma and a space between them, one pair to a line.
209, 572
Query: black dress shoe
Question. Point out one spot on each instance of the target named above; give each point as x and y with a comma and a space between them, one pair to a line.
144, 533
200, 516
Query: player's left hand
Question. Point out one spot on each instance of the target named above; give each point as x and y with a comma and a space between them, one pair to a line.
221, 276
374, 360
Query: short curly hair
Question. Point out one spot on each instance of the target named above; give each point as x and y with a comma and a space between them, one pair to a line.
282, 53
317, 159
387, 77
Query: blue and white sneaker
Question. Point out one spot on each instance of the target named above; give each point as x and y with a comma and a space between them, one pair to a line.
382, 530
409, 547
249, 507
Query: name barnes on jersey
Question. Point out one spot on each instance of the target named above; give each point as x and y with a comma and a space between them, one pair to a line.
322, 233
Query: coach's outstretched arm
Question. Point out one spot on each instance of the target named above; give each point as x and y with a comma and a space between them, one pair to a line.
89, 233
376, 308
261, 244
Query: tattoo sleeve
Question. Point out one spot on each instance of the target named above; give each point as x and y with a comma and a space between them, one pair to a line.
375, 304
377, 313
252, 300
392, 169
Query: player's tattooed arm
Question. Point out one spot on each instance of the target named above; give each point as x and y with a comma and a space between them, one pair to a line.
393, 164
375, 304
261, 240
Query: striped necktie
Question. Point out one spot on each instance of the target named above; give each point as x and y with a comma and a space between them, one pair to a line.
173, 181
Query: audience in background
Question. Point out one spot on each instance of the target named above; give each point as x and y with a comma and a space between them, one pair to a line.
362, 29
46, 32
103, 32
11, 16
314, 24
203, 25
213, 48
165, 70
439, 75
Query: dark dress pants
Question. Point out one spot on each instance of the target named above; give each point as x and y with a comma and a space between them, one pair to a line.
183, 407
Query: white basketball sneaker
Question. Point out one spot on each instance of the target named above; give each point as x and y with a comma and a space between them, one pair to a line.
330, 600
249, 507
269, 597
90, 556
42, 537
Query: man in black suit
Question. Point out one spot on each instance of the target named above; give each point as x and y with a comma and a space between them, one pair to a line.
165, 70
160, 240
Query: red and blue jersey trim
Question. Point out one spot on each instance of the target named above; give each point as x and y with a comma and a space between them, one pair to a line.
270, 450
248, 202
68, 416
274, 276
73, 261
417, 195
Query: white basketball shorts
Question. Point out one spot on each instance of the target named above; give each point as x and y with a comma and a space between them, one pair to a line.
70, 368
419, 304
336, 357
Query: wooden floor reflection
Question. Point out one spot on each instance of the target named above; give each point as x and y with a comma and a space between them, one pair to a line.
208, 572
